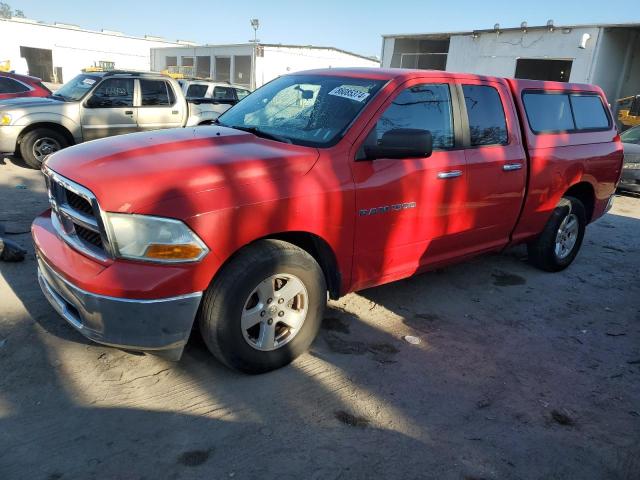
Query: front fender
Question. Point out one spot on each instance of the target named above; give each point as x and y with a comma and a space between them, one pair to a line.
71, 124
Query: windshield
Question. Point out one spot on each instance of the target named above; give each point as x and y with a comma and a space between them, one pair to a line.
77, 88
312, 110
631, 136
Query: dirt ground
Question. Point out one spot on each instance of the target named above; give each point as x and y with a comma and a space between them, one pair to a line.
520, 374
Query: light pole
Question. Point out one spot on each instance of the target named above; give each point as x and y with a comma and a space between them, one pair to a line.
255, 24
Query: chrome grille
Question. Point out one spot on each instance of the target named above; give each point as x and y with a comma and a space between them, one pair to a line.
76, 216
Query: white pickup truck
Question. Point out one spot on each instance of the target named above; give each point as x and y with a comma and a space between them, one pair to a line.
96, 105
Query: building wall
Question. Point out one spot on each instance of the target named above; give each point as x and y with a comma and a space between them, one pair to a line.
73, 48
159, 57
630, 84
492, 54
276, 61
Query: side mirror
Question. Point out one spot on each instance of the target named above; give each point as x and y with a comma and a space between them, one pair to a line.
401, 143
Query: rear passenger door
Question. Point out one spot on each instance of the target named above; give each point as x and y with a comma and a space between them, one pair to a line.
159, 107
496, 162
224, 98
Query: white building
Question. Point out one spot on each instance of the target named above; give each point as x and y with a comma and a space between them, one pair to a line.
605, 55
252, 64
57, 52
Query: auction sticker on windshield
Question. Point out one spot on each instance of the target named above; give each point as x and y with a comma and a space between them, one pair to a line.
351, 93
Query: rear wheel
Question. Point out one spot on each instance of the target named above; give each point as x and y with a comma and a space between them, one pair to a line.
265, 307
560, 241
39, 143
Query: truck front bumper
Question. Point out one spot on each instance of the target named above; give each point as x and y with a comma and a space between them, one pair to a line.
9, 137
159, 325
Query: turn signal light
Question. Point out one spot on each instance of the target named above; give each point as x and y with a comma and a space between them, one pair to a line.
173, 252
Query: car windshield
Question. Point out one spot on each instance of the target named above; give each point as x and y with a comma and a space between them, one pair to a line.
631, 136
312, 110
76, 89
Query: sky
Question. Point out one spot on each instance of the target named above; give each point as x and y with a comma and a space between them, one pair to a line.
356, 26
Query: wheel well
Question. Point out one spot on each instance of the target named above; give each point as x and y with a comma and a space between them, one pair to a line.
584, 192
52, 126
320, 250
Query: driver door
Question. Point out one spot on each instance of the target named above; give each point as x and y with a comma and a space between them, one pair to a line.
109, 110
410, 212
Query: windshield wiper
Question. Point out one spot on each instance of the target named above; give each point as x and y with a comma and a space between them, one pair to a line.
58, 97
259, 133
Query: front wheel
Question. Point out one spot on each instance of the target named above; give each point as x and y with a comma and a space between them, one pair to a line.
560, 241
265, 307
38, 143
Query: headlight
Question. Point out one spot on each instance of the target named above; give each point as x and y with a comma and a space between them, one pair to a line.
5, 119
155, 239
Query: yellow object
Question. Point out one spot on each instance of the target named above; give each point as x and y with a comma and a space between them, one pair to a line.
173, 252
176, 75
5, 66
5, 119
628, 109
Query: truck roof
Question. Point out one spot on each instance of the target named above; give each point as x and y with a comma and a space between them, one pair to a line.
407, 74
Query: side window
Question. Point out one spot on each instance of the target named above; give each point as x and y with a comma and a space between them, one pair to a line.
197, 90
487, 123
8, 85
565, 112
548, 112
589, 112
155, 93
113, 92
426, 107
242, 93
223, 93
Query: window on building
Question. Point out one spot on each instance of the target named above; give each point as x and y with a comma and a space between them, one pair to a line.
203, 66
171, 61
223, 69
112, 93
543, 69
589, 112
426, 107
197, 91
242, 70
155, 93
487, 123
8, 85
423, 53
187, 61
562, 112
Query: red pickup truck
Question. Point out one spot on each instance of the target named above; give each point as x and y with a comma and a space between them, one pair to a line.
317, 184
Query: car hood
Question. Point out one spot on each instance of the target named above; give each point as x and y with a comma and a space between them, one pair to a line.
28, 102
130, 172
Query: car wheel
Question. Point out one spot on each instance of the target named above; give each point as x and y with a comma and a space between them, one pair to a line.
560, 241
39, 143
264, 308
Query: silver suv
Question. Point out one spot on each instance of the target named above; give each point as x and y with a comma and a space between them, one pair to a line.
95, 105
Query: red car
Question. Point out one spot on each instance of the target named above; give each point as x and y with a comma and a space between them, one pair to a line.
13, 85
317, 184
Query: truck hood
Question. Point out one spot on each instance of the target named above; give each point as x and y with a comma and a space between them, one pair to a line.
29, 102
130, 172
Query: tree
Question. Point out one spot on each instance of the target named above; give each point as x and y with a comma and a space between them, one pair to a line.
7, 12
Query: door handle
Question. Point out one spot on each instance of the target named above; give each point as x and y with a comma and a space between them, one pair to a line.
450, 174
128, 112
175, 112
507, 167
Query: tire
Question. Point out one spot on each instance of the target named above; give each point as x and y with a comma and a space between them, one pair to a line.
553, 251
38, 143
238, 297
